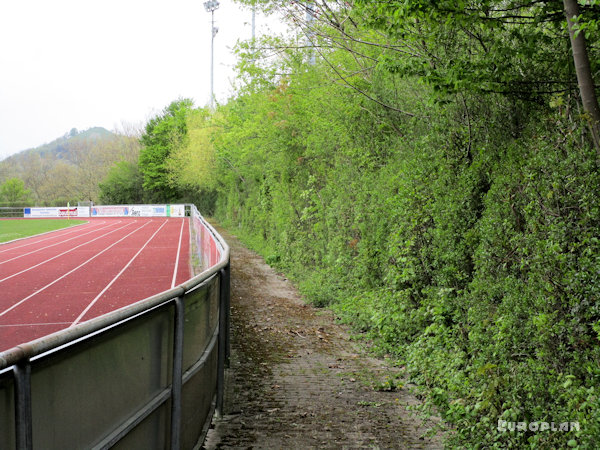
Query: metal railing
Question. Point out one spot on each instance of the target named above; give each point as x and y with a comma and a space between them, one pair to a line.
11, 211
150, 375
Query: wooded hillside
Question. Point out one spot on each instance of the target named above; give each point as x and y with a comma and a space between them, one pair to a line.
69, 168
429, 170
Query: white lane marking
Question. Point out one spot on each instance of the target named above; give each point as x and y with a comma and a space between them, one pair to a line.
52, 245
177, 257
70, 271
88, 307
61, 254
67, 231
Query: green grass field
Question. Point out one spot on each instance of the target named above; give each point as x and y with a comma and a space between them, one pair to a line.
11, 229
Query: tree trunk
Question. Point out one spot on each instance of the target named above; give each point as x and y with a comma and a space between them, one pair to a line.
584, 72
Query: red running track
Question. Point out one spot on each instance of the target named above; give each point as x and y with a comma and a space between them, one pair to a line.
57, 280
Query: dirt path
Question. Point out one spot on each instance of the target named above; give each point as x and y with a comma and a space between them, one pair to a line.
297, 381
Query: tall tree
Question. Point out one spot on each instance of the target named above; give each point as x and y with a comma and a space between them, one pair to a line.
583, 69
34, 172
162, 135
192, 165
61, 185
13, 192
122, 184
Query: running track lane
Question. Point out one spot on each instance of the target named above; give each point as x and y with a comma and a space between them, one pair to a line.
56, 281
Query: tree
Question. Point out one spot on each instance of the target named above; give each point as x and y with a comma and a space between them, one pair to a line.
583, 69
512, 47
462, 239
163, 134
122, 184
13, 192
61, 184
35, 171
192, 165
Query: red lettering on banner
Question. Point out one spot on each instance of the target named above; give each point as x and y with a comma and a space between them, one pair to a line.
67, 212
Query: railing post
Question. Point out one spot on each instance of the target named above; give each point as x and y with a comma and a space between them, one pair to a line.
176, 385
223, 337
23, 416
227, 294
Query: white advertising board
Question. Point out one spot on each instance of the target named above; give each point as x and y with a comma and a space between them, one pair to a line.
41, 212
148, 210
176, 210
130, 211
57, 212
110, 211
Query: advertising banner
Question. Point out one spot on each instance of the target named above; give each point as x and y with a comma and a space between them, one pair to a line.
148, 210
130, 211
41, 212
67, 212
107, 211
176, 210
110, 211
57, 212
83, 211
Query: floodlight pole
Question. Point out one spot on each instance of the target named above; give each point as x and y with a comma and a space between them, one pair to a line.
310, 18
253, 23
211, 7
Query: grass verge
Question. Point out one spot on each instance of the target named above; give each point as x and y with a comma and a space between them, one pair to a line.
11, 229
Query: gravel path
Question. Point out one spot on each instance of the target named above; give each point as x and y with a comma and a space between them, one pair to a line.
298, 381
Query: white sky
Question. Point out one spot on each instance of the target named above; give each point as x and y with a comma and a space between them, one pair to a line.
82, 63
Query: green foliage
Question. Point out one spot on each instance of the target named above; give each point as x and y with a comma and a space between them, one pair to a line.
122, 185
71, 167
192, 164
465, 247
483, 45
13, 193
163, 134
441, 200
176, 162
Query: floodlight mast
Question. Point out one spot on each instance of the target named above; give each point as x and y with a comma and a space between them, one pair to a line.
211, 7
310, 33
253, 23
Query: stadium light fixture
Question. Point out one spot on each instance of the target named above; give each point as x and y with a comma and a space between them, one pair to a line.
211, 6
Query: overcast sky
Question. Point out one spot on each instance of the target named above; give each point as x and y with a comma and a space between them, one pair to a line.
82, 63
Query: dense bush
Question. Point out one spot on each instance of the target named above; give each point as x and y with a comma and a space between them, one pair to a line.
468, 250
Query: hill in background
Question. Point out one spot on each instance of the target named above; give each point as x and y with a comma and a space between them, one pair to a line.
64, 146
70, 167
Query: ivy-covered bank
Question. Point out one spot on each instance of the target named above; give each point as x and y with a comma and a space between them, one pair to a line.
463, 241
429, 170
